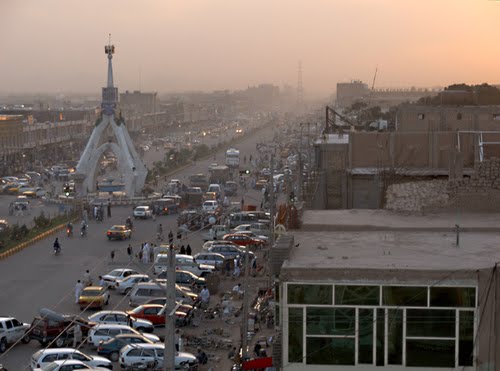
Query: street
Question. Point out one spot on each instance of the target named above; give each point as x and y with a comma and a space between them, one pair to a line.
35, 278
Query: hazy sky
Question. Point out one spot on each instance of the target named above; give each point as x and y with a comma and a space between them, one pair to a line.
172, 45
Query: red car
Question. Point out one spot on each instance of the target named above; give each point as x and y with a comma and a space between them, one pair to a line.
243, 240
151, 313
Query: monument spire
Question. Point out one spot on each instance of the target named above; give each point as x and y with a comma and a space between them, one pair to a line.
110, 50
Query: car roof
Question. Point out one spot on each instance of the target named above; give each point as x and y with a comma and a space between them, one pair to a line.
93, 288
109, 325
54, 350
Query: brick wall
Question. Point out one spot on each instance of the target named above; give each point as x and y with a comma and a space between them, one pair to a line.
417, 196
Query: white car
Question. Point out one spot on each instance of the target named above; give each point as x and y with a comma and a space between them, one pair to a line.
143, 212
11, 331
115, 275
105, 331
134, 353
118, 317
125, 285
217, 260
68, 365
260, 229
44, 357
210, 206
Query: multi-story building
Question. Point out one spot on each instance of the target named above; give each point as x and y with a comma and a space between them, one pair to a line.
359, 290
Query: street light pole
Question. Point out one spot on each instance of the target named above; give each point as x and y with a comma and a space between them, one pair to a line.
244, 327
169, 353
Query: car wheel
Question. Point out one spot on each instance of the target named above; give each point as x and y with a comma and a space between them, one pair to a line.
127, 291
114, 356
141, 329
3, 346
26, 338
59, 342
44, 343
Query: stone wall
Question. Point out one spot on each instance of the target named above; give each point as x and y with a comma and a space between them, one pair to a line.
417, 196
480, 192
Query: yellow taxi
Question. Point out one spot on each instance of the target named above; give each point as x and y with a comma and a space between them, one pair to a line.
121, 232
210, 196
93, 297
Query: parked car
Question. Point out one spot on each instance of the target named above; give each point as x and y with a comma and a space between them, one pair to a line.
186, 278
93, 297
134, 353
122, 318
183, 262
215, 259
143, 292
182, 307
264, 239
111, 347
117, 274
257, 228
126, 284
243, 240
11, 331
143, 212
106, 331
155, 314
211, 243
119, 232
43, 357
229, 251
67, 365
47, 330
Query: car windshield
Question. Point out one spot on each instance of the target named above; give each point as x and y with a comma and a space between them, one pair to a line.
138, 309
115, 273
140, 208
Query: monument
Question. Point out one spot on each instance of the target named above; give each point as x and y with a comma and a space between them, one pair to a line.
129, 164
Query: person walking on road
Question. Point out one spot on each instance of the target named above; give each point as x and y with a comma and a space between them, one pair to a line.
78, 290
130, 252
109, 208
170, 237
77, 335
182, 250
188, 249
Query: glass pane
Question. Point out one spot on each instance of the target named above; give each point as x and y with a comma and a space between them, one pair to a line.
395, 337
380, 337
357, 295
430, 323
310, 294
466, 339
453, 297
295, 334
330, 351
408, 296
430, 353
365, 337
331, 321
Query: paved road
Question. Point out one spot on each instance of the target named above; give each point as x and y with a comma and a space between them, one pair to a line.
35, 278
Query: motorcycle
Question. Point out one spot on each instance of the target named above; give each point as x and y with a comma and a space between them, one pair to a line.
69, 232
83, 232
57, 250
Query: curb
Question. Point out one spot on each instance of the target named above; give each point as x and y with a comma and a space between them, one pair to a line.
30, 242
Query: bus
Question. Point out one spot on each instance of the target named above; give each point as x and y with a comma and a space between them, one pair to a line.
233, 158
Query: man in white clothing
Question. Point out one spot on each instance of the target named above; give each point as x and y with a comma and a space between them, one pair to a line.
78, 290
205, 295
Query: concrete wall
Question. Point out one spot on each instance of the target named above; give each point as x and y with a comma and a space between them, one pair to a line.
428, 118
417, 196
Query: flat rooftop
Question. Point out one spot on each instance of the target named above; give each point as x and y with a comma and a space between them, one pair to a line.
384, 220
378, 239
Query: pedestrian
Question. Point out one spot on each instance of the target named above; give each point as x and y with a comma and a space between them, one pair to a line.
170, 237
179, 235
201, 356
77, 335
177, 339
242, 202
205, 295
182, 250
231, 353
236, 272
102, 283
145, 253
78, 290
141, 252
256, 349
237, 290
109, 208
188, 249
228, 267
152, 253
130, 252
254, 266
87, 280
112, 255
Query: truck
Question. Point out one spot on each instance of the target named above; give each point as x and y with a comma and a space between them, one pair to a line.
198, 180
233, 158
219, 173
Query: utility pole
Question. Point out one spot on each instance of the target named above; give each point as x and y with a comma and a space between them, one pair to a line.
272, 202
169, 354
244, 327
300, 190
